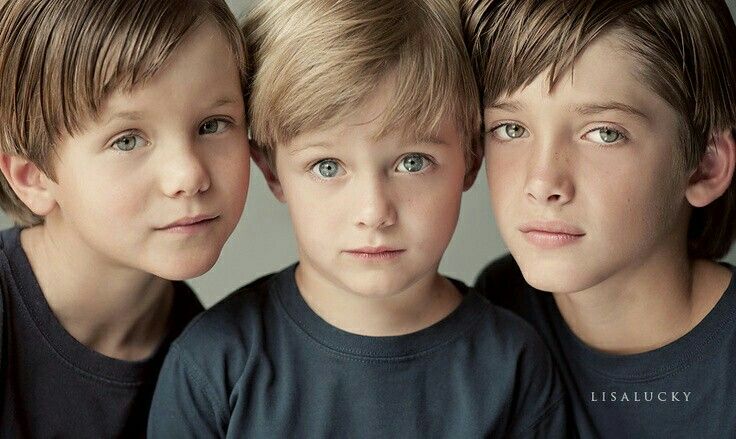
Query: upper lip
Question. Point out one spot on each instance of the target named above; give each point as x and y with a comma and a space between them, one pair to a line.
372, 250
560, 227
189, 220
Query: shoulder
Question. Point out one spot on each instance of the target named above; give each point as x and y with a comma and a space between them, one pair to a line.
512, 335
232, 320
218, 344
502, 283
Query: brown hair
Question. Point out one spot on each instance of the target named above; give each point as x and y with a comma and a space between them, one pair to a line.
686, 50
315, 61
60, 59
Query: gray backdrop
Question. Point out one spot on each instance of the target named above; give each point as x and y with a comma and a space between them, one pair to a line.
263, 241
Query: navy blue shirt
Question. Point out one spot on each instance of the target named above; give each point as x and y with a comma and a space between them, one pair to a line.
53, 385
686, 389
262, 364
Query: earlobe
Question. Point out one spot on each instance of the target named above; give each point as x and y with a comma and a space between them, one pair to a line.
269, 174
29, 183
715, 171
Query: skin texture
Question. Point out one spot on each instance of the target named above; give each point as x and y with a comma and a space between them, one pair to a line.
625, 283
101, 257
372, 201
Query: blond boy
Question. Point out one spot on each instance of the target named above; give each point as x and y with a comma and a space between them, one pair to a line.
365, 117
610, 155
124, 158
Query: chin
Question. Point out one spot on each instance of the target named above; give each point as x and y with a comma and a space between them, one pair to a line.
553, 278
186, 268
375, 286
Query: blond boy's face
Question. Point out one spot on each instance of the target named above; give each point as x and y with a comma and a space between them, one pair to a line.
159, 181
372, 217
586, 181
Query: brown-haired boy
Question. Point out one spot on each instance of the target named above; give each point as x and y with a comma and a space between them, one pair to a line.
124, 158
365, 116
609, 140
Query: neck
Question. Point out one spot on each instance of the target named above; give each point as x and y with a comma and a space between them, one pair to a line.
418, 306
646, 306
117, 311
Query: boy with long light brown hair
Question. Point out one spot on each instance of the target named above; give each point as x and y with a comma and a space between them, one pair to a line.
609, 140
124, 162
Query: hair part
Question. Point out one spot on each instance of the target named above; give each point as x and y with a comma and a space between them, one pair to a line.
685, 50
316, 61
61, 59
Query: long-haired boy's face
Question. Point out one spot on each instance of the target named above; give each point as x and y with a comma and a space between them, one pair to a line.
587, 182
158, 182
372, 216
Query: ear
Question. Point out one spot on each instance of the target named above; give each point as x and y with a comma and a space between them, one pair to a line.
472, 171
715, 171
29, 183
270, 174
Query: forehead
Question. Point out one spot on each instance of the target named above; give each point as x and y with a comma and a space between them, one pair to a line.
367, 123
604, 72
188, 76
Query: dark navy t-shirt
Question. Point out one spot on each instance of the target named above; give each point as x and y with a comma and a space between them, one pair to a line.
54, 386
686, 389
262, 364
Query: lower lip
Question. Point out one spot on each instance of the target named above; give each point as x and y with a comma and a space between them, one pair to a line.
380, 256
190, 229
548, 240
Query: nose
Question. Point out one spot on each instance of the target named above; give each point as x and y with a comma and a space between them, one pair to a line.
184, 173
375, 207
549, 180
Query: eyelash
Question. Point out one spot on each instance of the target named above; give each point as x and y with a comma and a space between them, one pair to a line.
622, 133
430, 162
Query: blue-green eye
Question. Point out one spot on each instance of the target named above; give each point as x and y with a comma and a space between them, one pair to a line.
412, 163
509, 131
212, 126
604, 135
327, 168
128, 142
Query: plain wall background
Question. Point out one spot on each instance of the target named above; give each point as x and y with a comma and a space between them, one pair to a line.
263, 242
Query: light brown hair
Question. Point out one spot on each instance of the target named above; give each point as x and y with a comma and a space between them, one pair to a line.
686, 54
60, 59
315, 61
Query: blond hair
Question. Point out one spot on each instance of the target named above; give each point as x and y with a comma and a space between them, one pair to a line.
686, 54
315, 61
61, 58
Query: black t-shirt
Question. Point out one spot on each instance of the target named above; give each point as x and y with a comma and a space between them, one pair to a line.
54, 386
262, 364
686, 389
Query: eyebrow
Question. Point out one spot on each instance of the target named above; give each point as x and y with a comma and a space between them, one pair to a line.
318, 145
510, 106
125, 115
592, 109
222, 102
430, 139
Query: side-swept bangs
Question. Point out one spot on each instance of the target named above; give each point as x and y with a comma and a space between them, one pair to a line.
316, 61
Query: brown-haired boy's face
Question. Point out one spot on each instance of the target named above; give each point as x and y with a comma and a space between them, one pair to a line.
586, 181
158, 182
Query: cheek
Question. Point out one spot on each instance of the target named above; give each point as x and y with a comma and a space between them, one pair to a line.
105, 196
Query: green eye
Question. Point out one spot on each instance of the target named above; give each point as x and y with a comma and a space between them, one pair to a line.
128, 142
609, 135
412, 163
509, 131
212, 126
327, 168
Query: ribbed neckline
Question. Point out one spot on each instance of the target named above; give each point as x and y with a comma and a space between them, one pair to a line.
69, 349
377, 348
679, 354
